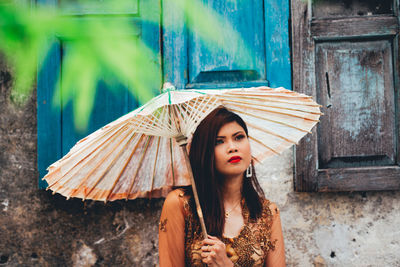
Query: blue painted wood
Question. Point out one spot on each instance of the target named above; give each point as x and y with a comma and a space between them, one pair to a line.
225, 85
241, 57
277, 43
49, 116
188, 62
265, 31
109, 105
56, 131
174, 45
151, 36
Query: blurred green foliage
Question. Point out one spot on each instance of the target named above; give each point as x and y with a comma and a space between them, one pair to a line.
96, 48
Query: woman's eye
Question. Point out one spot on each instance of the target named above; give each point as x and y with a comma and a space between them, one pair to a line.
239, 137
219, 141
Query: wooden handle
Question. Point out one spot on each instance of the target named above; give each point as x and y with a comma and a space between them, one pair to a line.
196, 197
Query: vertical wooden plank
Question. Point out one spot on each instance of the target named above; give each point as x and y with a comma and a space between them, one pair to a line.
303, 62
48, 115
277, 43
150, 11
48, 112
174, 44
396, 63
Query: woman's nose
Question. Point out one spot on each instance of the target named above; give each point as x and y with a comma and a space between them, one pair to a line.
232, 147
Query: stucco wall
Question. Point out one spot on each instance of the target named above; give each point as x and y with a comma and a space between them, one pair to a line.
39, 229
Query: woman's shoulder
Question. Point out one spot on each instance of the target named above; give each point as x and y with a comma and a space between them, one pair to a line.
175, 199
271, 207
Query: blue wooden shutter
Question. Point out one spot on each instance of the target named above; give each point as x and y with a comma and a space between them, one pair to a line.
56, 131
263, 26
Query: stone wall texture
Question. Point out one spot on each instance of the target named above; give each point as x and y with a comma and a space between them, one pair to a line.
41, 229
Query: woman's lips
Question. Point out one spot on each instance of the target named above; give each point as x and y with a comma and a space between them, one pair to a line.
235, 159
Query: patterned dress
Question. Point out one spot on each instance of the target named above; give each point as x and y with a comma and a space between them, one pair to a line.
257, 244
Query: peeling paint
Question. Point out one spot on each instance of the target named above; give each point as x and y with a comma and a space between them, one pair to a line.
354, 88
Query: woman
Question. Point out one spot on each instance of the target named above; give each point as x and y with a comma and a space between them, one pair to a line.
244, 228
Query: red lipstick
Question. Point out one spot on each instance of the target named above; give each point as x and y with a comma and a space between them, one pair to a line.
235, 159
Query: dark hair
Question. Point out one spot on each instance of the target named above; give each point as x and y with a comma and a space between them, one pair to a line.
208, 181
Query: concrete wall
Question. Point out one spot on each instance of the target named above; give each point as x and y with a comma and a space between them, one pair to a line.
39, 229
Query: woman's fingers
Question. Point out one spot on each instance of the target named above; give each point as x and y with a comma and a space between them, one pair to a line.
211, 240
209, 258
218, 247
213, 251
205, 256
208, 241
209, 255
212, 255
206, 248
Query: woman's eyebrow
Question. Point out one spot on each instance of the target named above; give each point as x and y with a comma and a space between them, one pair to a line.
239, 132
222, 136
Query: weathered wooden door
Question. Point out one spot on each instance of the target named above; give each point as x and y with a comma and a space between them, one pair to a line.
345, 54
56, 130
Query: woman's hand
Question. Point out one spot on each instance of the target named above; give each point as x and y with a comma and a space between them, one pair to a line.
214, 252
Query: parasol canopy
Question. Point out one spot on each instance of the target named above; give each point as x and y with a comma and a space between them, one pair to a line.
138, 155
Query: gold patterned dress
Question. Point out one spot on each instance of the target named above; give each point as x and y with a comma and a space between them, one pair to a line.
259, 243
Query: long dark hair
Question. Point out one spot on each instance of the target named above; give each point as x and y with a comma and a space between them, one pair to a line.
209, 182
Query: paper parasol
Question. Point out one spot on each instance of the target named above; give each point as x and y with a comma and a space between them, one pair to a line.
138, 155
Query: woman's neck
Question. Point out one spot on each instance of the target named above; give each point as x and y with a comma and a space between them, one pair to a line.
232, 191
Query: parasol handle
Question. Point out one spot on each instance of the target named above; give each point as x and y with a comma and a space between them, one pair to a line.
196, 197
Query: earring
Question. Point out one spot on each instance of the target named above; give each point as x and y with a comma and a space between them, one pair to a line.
249, 171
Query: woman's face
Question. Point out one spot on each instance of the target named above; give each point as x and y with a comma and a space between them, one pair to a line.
232, 150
